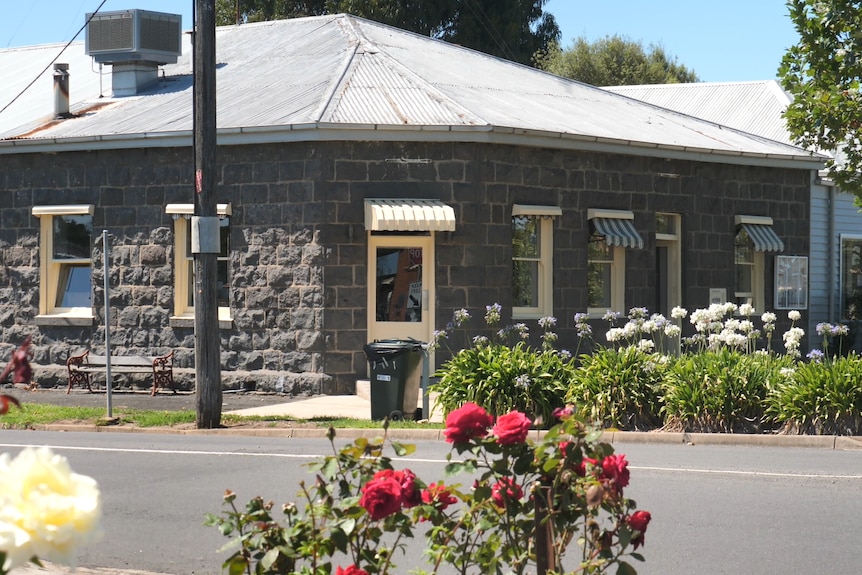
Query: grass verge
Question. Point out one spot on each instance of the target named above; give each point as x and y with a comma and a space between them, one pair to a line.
31, 415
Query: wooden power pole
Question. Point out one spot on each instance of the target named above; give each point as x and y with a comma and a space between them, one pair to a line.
205, 226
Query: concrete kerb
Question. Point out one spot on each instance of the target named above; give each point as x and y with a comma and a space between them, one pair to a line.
845, 443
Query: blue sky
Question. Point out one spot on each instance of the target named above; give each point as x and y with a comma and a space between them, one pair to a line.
730, 40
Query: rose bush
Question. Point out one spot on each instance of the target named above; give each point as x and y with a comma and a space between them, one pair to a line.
46, 510
527, 501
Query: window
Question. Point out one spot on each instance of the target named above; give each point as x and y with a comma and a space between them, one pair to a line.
749, 271
754, 236
66, 286
184, 263
611, 231
791, 282
532, 260
851, 277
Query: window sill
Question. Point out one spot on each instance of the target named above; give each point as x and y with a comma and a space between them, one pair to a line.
189, 321
64, 319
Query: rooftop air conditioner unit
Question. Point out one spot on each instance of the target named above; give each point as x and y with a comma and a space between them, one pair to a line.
134, 35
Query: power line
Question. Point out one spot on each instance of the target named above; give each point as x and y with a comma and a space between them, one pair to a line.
57, 57
489, 27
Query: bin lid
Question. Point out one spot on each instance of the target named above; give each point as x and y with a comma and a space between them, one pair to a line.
387, 348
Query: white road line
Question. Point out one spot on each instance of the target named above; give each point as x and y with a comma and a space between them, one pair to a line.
312, 456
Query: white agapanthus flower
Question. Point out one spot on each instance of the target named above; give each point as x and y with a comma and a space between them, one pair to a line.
794, 315
678, 312
746, 309
646, 346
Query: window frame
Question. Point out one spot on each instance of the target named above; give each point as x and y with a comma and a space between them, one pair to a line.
52, 271
184, 311
757, 296
618, 266
856, 238
545, 274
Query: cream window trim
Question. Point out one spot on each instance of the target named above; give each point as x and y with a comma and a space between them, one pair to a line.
51, 270
618, 286
593, 213
544, 211
188, 210
756, 220
183, 260
65, 210
545, 261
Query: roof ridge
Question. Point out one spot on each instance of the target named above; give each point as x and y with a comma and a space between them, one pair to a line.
365, 46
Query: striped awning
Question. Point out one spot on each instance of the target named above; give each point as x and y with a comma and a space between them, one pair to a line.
618, 232
403, 215
763, 237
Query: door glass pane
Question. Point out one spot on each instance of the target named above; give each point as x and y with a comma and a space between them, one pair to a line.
398, 285
74, 286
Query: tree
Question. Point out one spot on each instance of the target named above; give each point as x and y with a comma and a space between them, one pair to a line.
614, 61
511, 29
822, 73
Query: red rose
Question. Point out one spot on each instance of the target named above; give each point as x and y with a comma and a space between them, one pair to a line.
437, 495
581, 467
410, 495
562, 413
381, 497
616, 467
506, 490
638, 521
352, 570
512, 428
467, 422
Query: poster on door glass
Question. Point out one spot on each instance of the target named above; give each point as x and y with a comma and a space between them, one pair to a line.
791, 282
399, 284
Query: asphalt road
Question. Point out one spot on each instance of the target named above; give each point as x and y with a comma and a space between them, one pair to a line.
720, 510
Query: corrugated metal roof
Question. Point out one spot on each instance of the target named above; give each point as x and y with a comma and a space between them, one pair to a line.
754, 107
355, 78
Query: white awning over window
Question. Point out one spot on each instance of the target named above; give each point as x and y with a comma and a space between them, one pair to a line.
403, 215
617, 226
759, 229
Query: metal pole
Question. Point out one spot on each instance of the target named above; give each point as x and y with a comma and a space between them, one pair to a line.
107, 284
426, 413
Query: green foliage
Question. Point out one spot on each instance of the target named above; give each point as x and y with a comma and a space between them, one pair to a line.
819, 398
614, 61
511, 29
502, 379
566, 486
822, 74
720, 390
619, 387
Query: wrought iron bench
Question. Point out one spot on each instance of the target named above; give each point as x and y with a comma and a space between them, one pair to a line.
81, 368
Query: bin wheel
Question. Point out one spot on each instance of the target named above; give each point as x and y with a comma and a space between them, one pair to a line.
396, 416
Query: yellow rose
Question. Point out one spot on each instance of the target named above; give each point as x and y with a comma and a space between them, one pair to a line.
46, 510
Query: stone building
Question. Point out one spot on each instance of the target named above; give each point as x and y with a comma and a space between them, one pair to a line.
370, 182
